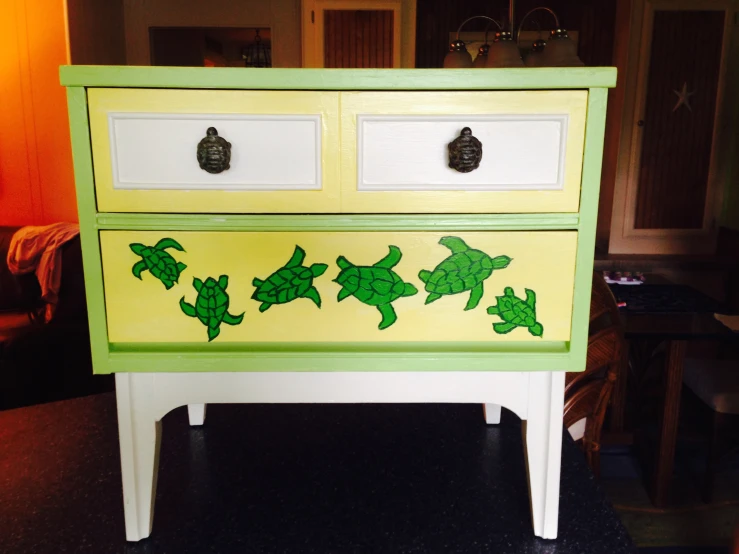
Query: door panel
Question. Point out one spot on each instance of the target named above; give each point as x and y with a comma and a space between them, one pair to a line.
358, 33
358, 38
677, 136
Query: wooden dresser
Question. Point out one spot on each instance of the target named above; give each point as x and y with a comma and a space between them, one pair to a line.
300, 235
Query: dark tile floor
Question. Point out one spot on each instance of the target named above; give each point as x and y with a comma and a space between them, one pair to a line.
303, 479
687, 525
684, 550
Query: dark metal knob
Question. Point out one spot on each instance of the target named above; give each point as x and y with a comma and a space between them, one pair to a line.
214, 152
640, 123
465, 152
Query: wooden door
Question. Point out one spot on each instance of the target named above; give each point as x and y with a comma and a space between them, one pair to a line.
356, 33
358, 38
670, 197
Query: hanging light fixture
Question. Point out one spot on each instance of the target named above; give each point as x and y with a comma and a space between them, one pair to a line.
481, 59
458, 56
534, 57
558, 51
257, 54
504, 51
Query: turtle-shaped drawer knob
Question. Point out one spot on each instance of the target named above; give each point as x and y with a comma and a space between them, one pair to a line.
465, 152
214, 152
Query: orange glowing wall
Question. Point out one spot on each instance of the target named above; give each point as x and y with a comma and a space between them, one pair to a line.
36, 176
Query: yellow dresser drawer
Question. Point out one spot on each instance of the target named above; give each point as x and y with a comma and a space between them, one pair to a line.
282, 153
338, 287
397, 157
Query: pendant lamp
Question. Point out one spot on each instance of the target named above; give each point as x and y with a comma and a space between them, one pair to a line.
458, 56
504, 51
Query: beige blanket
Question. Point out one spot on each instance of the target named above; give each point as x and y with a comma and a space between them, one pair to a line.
39, 249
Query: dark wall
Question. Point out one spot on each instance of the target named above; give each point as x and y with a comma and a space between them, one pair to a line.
176, 46
593, 19
96, 32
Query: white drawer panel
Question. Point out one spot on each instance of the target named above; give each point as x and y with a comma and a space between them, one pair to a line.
158, 151
519, 152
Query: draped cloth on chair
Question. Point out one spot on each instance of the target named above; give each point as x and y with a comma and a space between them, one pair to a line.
39, 249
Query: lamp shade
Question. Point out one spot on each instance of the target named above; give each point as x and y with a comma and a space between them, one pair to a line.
481, 60
504, 51
457, 57
560, 51
534, 57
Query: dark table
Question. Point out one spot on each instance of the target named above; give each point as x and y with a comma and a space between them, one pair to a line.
674, 315
311, 478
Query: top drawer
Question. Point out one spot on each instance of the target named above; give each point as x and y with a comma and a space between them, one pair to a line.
331, 152
396, 153
284, 151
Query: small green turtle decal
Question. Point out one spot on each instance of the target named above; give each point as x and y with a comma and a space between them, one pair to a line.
158, 261
516, 313
211, 305
289, 282
464, 270
375, 285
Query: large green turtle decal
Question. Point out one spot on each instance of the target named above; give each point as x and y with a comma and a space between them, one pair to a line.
289, 282
464, 270
375, 285
516, 313
158, 261
211, 305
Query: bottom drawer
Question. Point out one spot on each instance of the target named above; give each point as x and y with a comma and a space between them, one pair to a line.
347, 287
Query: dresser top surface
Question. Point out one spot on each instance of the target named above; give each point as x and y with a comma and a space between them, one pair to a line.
338, 79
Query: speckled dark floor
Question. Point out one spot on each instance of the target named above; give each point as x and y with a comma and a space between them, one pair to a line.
302, 479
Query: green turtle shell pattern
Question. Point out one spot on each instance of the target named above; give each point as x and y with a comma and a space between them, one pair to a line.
516, 312
211, 305
376, 285
158, 261
464, 270
289, 282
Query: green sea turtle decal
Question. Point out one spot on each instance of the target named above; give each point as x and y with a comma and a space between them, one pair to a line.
211, 305
464, 270
516, 313
158, 261
375, 285
289, 282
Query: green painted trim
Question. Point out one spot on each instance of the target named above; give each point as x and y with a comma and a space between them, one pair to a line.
400, 222
89, 238
512, 356
344, 348
338, 79
590, 190
177, 358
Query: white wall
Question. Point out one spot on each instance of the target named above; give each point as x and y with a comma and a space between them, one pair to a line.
281, 16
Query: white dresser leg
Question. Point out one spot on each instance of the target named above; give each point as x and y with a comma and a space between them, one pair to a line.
492, 413
139, 435
196, 413
543, 443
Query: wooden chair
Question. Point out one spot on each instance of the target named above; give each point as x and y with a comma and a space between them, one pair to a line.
587, 394
716, 384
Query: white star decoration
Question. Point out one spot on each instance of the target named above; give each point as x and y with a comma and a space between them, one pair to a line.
683, 98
